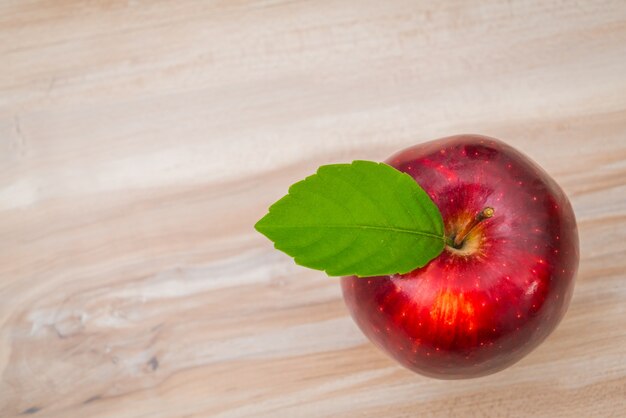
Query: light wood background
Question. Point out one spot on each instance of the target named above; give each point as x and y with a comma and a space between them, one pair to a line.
141, 140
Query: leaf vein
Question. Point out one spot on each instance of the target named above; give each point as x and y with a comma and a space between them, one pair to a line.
357, 226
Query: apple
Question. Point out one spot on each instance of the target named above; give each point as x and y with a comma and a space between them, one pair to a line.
504, 279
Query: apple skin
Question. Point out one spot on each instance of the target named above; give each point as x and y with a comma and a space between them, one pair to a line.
478, 309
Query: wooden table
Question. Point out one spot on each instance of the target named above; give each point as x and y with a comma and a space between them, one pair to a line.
141, 140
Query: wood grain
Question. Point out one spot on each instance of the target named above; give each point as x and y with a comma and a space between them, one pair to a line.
140, 141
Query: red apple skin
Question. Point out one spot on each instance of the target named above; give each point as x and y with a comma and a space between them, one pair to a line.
477, 310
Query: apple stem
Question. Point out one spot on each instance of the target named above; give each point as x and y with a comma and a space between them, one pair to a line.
482, 215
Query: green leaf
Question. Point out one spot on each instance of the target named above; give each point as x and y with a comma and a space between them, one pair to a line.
363, 219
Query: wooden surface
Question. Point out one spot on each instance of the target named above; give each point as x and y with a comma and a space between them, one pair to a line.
140, 141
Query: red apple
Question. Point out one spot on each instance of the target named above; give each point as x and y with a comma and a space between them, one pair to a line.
503, 282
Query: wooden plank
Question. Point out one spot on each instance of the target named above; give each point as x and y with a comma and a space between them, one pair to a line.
141, 140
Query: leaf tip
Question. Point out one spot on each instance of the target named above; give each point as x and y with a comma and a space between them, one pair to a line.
260, 225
